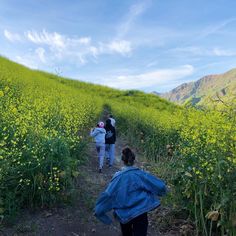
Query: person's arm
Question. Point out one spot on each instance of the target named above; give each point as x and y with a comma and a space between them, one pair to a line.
104, 205
154, 185
93, 132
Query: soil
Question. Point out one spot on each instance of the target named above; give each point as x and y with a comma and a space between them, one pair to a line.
77, 219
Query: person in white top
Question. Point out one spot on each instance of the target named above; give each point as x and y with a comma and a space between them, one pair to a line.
113, 121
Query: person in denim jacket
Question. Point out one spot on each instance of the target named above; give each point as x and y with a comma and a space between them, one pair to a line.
131, 194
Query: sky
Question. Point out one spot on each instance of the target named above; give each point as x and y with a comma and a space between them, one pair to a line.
149, 45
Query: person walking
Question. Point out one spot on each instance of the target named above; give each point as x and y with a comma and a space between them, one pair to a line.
131, 194
113, 121
110, 139
98, 133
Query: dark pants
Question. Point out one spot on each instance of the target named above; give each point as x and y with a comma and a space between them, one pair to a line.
136, 227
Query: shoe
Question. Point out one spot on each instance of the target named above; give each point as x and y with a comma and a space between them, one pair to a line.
100, 171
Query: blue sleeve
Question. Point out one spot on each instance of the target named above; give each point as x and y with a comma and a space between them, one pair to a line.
154, 185
104, 205
93, 133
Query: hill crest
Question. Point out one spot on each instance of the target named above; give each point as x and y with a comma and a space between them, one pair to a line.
204, 89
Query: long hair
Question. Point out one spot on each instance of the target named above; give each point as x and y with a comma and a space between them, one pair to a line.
128, 156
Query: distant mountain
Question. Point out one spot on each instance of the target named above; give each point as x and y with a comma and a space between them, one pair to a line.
156, 93
205, 89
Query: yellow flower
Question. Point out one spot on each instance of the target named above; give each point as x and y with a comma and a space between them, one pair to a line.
14, 110
6, 89
213, 215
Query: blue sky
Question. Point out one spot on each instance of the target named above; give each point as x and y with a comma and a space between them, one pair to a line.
151, 45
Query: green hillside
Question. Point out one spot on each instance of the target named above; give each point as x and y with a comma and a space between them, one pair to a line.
44, 124
206, 90
129, 96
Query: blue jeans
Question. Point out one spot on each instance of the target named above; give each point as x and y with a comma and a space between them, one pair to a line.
110, 153
100, 147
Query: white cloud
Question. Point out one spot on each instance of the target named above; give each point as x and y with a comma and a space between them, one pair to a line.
57, 47
41, 54
122, 47
12, 36
223, 53
152, 63
54, 39
77, 49
26, 61
134, 29
153, 79
191, 50
215, 28
200, 51
62, 46
134, 11
94, 51
85, 40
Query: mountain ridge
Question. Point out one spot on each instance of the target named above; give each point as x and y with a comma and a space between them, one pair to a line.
204, 89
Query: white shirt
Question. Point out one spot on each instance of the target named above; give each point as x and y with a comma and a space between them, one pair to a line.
113, 122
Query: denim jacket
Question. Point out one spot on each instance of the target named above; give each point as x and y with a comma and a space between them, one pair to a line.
98, 134
130, 193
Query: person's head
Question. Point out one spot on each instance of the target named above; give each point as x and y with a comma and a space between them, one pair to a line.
128, 156
100, 124
108, 122
110, 116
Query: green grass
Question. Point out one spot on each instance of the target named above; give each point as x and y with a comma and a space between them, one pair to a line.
44, 125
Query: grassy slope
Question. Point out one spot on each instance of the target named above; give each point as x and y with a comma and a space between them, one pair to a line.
39, 110
42, 123
125, 103
129, 96
205, 140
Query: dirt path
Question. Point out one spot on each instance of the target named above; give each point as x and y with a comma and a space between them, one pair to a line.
76, 220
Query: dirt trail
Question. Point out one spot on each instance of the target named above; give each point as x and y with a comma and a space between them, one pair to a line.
76, 220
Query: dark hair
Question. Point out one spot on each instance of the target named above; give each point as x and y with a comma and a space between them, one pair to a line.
111, 116
108, 122
128, 156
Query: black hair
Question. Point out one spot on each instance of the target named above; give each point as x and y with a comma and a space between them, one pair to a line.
108, 122
128, 156
111, 116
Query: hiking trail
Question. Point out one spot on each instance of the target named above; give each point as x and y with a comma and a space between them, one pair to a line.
77, 219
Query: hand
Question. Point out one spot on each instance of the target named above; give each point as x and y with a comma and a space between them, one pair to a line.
168, 188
